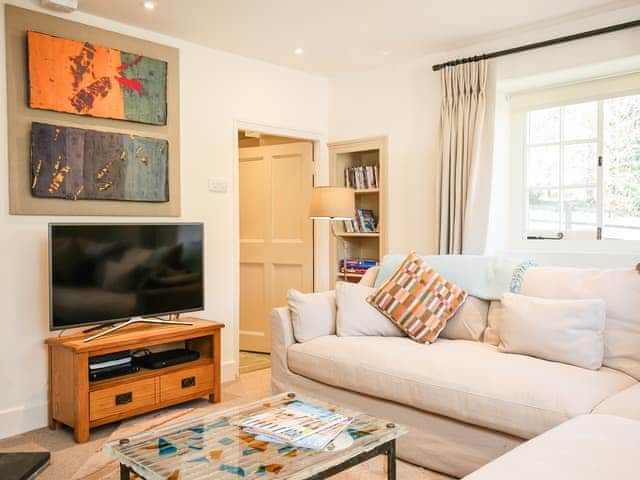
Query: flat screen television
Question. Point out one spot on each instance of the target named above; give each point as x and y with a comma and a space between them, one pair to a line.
103, 273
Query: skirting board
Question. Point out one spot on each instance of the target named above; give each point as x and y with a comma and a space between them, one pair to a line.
229, 371
17, 420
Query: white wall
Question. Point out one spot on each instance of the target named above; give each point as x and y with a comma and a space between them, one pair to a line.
217, 89
403, 102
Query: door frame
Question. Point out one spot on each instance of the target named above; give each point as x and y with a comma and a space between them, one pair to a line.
320, 232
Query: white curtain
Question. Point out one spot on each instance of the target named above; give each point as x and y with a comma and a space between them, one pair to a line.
465, 166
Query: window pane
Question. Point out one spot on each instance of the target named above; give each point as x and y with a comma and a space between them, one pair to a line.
580, 121
622, 167
580, 162
543, 166
544, 126
544, 210
579, 209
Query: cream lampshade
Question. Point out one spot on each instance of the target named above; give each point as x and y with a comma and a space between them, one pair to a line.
332, 203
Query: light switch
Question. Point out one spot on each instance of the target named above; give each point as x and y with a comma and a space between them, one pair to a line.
218, 185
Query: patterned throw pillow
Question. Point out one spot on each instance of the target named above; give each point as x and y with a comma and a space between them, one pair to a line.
418, 300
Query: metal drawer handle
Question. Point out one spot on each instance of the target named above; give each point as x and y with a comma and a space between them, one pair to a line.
124, 398
188, 382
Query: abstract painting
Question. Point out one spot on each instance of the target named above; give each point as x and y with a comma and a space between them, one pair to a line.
85, 79
79, 164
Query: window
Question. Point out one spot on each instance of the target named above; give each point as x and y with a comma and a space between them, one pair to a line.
582, 169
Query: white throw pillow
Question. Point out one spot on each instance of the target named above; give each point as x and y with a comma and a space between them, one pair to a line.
469, 322
369, 277
356, 317
620, 290
312, 314
565, 331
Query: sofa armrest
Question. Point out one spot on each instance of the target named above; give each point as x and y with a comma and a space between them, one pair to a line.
281, 339
623, 404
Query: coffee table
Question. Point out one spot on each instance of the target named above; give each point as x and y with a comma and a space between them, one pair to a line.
211, 447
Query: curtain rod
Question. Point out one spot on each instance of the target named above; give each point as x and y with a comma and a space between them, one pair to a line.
546, 43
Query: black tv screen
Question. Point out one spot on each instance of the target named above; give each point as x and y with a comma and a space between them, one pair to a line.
108, 272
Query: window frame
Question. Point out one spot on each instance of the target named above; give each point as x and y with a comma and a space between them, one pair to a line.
520, 104
598, 140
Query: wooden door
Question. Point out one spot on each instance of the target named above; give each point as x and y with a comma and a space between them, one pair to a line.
276, 234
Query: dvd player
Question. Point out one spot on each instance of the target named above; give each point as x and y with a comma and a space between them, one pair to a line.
110, 372
167, 358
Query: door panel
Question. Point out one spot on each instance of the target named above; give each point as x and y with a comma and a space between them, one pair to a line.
284, 278
276, 235
253, 199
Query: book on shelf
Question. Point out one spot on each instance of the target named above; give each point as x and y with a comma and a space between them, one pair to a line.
297, 423
351, 226
359, 262
366, 220
362, 177
358, 266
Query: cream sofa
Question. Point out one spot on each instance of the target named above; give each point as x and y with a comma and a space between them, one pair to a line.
465, 402
587, 447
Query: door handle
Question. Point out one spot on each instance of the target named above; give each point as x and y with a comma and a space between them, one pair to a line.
124, 398
188, 382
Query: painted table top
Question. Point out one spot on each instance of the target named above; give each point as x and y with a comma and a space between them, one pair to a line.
211, 447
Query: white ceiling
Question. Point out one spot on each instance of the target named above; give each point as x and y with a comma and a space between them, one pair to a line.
339, 35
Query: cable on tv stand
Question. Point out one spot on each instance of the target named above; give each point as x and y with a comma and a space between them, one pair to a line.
156, 321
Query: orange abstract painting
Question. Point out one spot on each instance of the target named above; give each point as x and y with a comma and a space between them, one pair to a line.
85, 79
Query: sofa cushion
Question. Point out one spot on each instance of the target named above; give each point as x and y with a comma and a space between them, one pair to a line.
356, 317
468, 381
312, 314
623, 404
494, 320
469, 322
369, 277
619, 288
418, 299
566, 331
588, 447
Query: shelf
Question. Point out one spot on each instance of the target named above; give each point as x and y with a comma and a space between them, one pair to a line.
371, 151
364, 191
349, 275
358, 234
147, 373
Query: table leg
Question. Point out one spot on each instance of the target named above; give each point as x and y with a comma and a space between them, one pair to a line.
387, 449
391, 461
125, 472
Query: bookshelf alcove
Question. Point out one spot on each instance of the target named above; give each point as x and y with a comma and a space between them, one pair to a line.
366, 152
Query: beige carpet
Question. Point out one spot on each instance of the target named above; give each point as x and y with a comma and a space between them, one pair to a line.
70, 461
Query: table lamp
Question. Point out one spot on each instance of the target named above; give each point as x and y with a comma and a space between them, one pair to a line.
333, 203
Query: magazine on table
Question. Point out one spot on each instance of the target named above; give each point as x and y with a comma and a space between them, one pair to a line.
315, 441
293, 422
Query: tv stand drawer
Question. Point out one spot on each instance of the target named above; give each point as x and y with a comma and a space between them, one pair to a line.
122, 398
186, 382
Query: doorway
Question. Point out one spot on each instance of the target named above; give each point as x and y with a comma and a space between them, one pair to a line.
276, 235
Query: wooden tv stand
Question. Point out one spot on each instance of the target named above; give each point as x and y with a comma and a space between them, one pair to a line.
82, 405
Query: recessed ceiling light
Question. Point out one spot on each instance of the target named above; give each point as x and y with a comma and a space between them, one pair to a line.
385, 53
149, 5
299, 51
